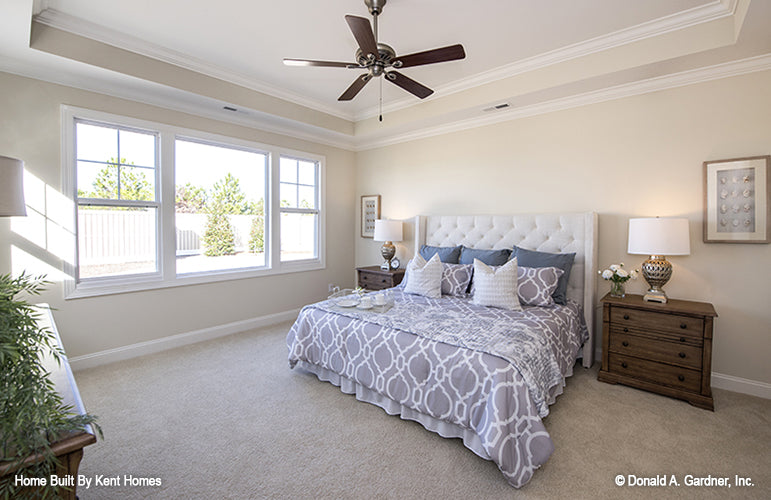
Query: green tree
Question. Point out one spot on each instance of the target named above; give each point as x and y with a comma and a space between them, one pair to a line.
118, 181
219, 237
190, 199
257, 232
227, 194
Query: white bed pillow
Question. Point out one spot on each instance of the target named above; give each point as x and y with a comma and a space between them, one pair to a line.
425, 278
496, 287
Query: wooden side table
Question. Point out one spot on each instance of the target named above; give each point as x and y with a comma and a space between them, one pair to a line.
662, 348
374, 278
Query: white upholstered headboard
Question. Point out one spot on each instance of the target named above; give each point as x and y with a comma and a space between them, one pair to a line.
554, 233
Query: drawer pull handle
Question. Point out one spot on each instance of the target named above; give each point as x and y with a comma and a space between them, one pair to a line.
626, 316
626, 329
383, 280
682, 339
623, 364
682, 355
625, 343
680, 378
683, 326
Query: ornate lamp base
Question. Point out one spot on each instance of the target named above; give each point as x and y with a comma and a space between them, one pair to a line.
657, 270
388, 250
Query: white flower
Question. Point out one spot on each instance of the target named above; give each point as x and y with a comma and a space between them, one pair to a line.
615, 267
620, 272
634, 274
607, 274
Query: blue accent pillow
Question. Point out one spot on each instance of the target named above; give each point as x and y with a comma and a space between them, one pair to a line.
489, 257
448, 255
564, 261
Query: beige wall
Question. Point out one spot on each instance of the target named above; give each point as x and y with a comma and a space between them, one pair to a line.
30, 130
634, 157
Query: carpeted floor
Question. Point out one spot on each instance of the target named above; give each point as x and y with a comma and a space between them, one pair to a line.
228, 419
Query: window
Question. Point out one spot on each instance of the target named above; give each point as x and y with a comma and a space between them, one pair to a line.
299, 209
116, 200
219, 207
158, 205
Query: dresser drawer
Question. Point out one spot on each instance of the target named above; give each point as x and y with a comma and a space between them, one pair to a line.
374, 281
658, 373
656, 350
674, 324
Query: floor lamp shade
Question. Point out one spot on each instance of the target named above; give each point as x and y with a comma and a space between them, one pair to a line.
11, 187
658, 237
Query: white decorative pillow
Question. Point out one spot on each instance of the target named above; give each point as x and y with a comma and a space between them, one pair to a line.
496, 287
425, 278
535, 285
455, 278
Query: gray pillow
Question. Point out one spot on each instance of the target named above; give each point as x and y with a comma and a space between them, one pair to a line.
456, 278
534, 258
450, 255
489, 257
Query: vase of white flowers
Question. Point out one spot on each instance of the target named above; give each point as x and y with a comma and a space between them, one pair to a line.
618, 276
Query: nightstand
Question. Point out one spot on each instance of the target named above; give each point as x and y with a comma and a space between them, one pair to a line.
662, 348
374, 278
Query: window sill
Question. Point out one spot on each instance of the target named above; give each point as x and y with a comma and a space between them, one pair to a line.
142, 284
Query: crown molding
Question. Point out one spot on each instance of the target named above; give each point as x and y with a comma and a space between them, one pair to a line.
77, 26
681, 79
718, 9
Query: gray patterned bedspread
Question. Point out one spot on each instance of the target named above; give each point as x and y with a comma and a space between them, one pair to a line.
488, 370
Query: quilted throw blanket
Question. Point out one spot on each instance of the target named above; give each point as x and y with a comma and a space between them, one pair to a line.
490, 371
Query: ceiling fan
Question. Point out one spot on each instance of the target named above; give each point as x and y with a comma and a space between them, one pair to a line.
379, 59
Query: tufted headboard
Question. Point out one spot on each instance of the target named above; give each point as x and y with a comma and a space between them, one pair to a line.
554, 233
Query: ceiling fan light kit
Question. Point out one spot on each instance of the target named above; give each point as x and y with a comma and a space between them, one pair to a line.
379, 59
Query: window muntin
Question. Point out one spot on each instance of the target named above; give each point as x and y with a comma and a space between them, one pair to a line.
220, 214
299, 209
117, 207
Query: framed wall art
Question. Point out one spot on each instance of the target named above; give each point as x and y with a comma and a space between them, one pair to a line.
370, 211
736, 200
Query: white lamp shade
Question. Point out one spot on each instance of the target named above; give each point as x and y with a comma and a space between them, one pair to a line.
11, 187
388, 230
659, 236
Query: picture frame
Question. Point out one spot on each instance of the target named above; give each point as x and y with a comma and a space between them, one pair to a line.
736, 200
370, 212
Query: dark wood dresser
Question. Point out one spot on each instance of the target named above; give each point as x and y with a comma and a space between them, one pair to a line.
662, 348
374, 278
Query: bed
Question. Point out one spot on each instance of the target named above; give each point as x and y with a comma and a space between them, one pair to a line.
486, 375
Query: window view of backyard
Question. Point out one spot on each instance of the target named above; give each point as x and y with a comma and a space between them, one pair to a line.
117, 207
219, 213
219, 207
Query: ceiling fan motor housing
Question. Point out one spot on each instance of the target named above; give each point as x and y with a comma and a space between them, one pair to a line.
375, 6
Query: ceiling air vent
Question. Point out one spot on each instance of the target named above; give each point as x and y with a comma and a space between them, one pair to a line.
497, 107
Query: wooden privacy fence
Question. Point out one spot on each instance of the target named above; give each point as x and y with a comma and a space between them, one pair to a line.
114, 236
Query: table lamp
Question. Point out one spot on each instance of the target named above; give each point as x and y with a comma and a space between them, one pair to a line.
11, 187
388, 231
658, 237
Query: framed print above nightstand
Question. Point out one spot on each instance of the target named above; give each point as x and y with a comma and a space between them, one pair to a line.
736, 200
370, 212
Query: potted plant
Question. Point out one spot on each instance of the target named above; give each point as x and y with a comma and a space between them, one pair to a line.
32, 413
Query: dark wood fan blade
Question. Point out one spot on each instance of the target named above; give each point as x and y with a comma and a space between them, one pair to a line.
362, 32
449, 53
409, 84
355, 87
309, 62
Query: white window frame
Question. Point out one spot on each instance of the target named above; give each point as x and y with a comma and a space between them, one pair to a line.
165, 195
296, 210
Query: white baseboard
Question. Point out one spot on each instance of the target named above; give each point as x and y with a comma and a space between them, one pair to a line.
181, 339
743, 385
